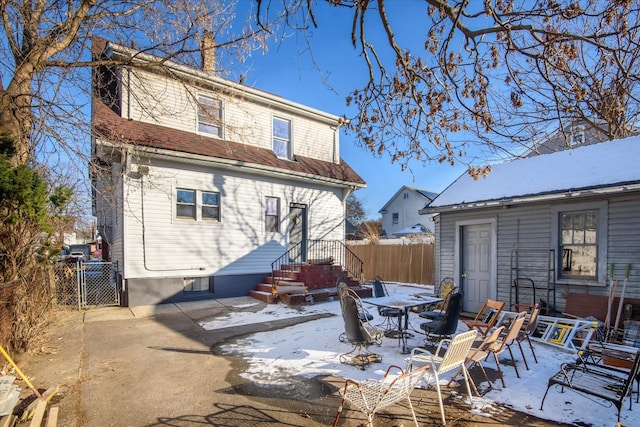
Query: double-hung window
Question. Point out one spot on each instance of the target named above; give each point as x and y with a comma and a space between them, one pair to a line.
210, 116
272, 214
395, 218
197, 205
186, 204
210, 206
282, 138
579, 243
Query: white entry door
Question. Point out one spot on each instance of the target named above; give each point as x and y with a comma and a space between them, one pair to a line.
476, 266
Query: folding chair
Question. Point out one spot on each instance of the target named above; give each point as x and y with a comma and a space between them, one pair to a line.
504, 343
486, 317
476, 355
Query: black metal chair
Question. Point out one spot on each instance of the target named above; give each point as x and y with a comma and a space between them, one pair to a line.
358, 332
390, 315
439, 313
437, 330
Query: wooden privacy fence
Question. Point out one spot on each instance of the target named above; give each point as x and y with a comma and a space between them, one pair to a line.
412, 263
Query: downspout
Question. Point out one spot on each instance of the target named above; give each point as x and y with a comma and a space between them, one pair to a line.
144, 233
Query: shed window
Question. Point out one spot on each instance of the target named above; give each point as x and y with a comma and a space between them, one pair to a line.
579, 243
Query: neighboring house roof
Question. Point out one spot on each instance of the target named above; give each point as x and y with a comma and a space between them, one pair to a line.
414, 229
429, 195
160, 140
606, 167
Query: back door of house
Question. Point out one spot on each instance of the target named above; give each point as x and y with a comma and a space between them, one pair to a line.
476, 265
298, 232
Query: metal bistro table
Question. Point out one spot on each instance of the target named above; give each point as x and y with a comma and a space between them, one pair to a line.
404, 304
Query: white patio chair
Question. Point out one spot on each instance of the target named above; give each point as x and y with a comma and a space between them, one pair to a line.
454, 357
371, 395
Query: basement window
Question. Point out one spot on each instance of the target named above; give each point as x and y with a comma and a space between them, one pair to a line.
196, 284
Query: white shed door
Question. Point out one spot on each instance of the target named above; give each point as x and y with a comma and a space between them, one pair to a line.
476, 265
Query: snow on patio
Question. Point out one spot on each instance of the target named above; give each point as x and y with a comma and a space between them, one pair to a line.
312, 348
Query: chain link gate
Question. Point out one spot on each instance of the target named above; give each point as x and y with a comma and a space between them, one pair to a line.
86, 284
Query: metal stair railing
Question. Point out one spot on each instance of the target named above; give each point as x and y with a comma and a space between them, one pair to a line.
317, 252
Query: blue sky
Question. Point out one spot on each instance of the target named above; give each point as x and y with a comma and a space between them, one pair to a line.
288, 70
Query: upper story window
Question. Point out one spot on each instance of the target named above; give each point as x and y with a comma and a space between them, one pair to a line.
272, 214
405, 196
577, 137
395, 218
210, 116
282, 138
197, 205
579, 244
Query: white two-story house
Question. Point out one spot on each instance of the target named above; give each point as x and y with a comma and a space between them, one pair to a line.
200, 182
400, 215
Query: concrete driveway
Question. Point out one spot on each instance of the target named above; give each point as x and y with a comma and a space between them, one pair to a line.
155, 366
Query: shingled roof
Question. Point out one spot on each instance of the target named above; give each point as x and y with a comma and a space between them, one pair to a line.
112, 127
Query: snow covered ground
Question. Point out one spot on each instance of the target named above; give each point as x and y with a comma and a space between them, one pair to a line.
312, 348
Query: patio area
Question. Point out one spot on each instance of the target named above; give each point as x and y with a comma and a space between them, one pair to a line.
312, 349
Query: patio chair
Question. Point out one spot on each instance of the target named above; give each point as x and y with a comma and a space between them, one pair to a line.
486, 317
390, 315
436, 330
453, 358
528, 330
343, 288
476, 355
344, 291
505, 342
370, 396
439, 310
358, 332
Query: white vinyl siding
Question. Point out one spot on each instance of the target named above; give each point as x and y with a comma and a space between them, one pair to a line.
172, 104
237, 245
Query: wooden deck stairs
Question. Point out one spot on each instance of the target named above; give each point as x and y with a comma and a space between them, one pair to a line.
294, 283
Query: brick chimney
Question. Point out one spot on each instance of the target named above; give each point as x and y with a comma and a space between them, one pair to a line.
208, 53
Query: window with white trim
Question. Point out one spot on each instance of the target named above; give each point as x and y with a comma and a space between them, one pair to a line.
272, 214
197, 205
395, 218
579, 244
186, 203
577, 136
210, 206
282, 138
210, 116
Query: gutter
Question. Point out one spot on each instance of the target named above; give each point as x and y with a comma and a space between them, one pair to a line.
237, 164
506, 203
